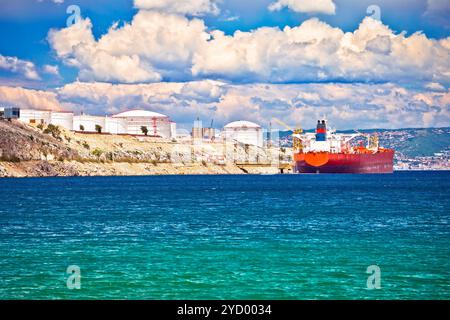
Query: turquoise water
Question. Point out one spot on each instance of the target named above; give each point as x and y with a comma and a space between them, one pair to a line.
226, 237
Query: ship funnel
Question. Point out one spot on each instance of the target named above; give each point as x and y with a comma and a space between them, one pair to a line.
321, 131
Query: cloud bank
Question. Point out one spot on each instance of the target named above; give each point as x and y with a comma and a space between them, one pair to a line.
157, 46
27, 98
345, 105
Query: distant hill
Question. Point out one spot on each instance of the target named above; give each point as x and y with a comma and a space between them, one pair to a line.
415, 142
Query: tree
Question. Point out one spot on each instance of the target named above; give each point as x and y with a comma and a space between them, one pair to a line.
81, 127
144, 130
98, 128
53, 130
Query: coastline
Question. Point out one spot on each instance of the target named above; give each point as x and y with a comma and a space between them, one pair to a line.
27, 151
75, 168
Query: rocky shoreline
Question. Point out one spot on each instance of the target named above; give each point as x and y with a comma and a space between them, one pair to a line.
28, 151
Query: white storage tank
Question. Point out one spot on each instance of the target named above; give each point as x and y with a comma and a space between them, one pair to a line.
86, 123
62, 119
115, 125
35, 117
157, 124
245, 132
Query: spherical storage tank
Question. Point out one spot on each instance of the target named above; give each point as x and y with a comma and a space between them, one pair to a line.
245, 132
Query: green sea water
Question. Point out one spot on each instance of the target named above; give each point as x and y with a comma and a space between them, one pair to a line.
226, 237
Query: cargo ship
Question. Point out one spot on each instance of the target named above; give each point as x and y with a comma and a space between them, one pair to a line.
325, 151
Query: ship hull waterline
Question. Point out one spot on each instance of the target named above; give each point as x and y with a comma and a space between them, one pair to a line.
381, 162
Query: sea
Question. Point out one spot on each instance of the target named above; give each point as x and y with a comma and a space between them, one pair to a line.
226, 237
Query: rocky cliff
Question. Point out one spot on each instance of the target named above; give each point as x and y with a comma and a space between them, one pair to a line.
29, 151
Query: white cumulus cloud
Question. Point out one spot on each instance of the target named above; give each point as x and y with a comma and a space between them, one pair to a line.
346, 105
305, 6
315, 51
50, 69
157, 46
24, 68
28, 98
154, 45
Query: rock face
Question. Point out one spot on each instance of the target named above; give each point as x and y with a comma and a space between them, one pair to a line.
19, 142
27, 151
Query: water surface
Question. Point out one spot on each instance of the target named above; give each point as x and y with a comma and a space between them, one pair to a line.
226, 237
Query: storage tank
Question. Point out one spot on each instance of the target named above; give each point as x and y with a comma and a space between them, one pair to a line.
157, 124
32, 116
62, 119
87, 123
245, 132
115, 125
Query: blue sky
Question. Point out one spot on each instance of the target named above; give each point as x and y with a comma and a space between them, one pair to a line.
41, 58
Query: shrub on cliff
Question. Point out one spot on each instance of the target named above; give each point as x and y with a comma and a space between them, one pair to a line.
97, 152
54, 131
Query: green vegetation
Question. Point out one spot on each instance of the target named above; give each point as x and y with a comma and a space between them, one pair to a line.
97, 152
86, 145
423, 142
144, 130
98, 128
54, 131
81, 127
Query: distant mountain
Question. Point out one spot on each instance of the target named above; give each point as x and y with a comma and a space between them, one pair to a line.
407, 142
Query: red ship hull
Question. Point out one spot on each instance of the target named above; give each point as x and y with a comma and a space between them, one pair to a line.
380, 162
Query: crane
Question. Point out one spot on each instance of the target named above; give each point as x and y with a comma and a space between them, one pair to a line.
296, 138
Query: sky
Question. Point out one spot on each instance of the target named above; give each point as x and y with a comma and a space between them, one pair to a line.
361, 64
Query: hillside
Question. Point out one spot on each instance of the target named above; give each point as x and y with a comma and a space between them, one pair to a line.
27, 151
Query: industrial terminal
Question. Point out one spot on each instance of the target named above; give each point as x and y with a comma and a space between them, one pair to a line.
139, 137
137, 122
243, 144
